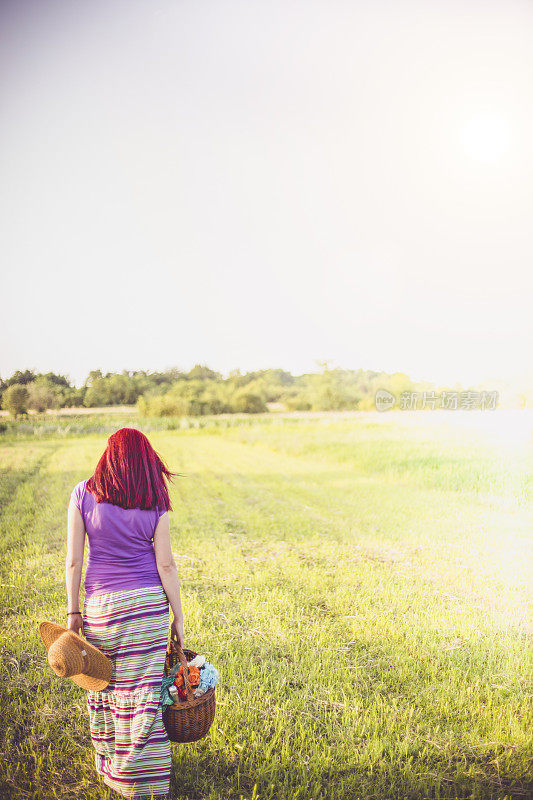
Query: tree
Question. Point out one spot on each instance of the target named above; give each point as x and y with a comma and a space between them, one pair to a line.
15, 399
42, 395
245, 402
94, 375
54, 379
203, 373
22, 377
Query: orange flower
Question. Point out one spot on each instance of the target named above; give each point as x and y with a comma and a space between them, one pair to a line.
194, 676
178, 680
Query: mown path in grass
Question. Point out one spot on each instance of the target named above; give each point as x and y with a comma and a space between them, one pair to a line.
362, 589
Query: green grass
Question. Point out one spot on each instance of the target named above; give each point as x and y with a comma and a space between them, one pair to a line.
362, 589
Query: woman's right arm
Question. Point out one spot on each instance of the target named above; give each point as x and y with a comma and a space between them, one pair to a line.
168, 572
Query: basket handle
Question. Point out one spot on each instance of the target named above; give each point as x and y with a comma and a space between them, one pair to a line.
174, 643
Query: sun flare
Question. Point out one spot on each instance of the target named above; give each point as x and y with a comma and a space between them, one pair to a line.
486, 137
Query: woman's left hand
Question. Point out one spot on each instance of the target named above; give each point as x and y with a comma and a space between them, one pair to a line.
75, 623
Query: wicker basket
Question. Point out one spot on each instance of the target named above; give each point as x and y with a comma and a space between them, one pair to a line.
187, 720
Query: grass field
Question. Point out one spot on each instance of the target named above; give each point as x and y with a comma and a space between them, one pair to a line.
361, 585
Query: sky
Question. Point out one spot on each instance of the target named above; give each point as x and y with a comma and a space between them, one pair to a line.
267, 184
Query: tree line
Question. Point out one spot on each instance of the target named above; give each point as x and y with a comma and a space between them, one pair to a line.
202, 390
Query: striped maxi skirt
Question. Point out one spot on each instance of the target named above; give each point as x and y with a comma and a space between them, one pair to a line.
132, 748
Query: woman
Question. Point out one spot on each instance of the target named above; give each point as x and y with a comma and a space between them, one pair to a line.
130, 580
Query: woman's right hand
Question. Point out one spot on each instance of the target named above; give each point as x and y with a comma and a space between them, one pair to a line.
176, 631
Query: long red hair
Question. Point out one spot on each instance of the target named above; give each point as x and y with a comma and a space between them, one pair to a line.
130, 473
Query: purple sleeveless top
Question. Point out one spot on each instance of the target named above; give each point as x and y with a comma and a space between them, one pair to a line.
121, 550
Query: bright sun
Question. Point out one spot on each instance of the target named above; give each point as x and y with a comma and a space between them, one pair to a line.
486, 137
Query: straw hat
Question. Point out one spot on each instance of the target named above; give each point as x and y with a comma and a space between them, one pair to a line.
70, 656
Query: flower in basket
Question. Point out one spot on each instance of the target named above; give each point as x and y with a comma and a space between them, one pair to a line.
208, 679
202, 676
194, 677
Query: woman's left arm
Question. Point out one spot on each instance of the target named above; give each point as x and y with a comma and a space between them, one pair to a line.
74, 565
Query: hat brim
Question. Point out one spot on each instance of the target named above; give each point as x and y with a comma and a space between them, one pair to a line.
98, 661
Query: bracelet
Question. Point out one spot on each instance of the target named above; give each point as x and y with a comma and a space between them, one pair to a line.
73, 612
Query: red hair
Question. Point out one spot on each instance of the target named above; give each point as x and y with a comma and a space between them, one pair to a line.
130, 473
